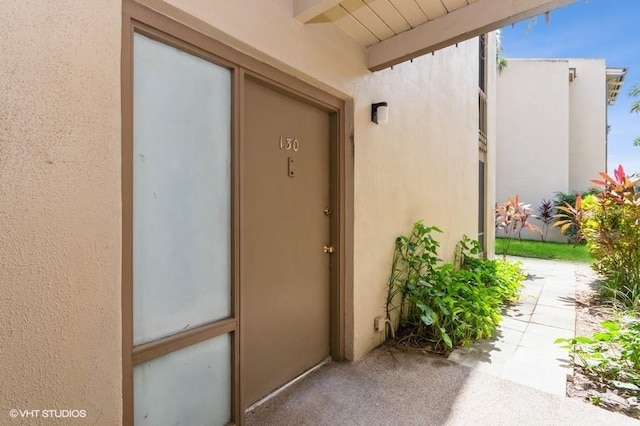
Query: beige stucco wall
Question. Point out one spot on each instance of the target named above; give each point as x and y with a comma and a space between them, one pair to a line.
533, 132
588, 126
320, 54
492, 142
60, 340
60, 217
422, 165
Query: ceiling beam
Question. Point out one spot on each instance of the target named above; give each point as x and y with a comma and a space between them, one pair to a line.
306, 10
470, 21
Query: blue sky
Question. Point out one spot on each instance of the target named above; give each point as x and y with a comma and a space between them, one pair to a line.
608, 29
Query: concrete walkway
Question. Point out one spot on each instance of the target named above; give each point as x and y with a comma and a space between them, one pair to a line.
394, 387
523, 351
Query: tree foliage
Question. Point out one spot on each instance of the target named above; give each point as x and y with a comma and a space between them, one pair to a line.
635, 107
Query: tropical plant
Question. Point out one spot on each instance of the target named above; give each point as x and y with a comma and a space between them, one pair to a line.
443, 306
562, 198
501, 61
565, 204
546, 211
569, 218
611, 356
610, 224
634, 92
512, 217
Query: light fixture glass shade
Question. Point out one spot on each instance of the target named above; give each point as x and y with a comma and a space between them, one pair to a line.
383, 114
379, 112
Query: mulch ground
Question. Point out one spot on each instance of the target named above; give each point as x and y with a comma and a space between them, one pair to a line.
590, 312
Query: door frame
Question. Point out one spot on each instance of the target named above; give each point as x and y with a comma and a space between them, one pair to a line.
139, 18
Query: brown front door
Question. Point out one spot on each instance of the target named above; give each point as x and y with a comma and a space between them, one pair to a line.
285, 224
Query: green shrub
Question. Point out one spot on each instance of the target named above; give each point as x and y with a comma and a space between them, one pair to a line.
567, 204
610, 223
445, 306
563, 198
611, 356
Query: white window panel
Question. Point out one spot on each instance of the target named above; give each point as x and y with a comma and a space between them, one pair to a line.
181, 190
191, 386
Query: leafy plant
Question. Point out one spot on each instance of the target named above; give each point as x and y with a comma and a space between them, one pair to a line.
562, 198
567, 200
569, 219
634, 92
501, 61
546, 211
443, 306
414, 256
612, 355
512, 217
610, 224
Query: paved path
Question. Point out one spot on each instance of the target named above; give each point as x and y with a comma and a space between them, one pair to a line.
523, 351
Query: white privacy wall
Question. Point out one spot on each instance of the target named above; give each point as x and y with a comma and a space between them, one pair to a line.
588, 115
533, 132
551, 129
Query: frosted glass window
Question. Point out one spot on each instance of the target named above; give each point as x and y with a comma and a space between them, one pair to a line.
181, 190
191, 386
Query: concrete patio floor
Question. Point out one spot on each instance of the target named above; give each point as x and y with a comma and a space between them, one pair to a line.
395, 387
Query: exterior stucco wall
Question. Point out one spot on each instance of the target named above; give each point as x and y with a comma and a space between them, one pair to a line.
320, 54
60, 217
588, 128
423, 164
492, 142
60, 214
551, 131
533, 132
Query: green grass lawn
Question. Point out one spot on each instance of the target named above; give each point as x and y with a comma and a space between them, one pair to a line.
544, 250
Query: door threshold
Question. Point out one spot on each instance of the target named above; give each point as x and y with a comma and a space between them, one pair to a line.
282, 388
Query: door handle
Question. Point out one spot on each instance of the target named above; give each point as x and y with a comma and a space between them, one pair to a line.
328, 249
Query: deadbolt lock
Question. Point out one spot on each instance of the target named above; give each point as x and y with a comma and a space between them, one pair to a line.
329, 249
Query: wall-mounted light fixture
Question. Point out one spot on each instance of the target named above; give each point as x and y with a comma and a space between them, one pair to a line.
379, 112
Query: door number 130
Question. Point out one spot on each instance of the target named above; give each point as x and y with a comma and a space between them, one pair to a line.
289, 144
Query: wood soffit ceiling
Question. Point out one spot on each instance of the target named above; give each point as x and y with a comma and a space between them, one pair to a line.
395, 31
373, 21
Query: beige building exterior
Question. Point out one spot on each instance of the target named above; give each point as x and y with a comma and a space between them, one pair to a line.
93, 132
552, 128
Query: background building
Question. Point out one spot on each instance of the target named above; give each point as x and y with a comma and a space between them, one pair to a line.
552, 127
